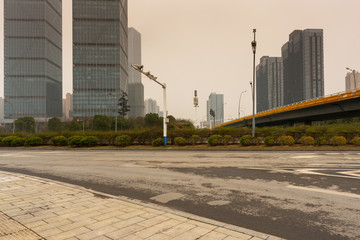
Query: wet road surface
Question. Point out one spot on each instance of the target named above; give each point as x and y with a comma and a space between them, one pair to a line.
294, 195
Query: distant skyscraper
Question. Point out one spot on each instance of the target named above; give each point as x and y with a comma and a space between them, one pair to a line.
151, 106
136, 88
99, 56
216, 103
33, 58
269, 83
303, 61
352, 81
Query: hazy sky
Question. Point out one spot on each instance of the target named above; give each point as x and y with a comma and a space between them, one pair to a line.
205, 45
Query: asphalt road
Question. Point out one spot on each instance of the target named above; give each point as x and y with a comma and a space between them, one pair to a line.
294, 195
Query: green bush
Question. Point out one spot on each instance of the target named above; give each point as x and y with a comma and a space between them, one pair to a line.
158, 142
75, 141
226, 139
321, 141
356, 141
33, 141
286, 140
17, 142
246, 140
89, 141
180, 141
307, 140
194, 139
258, 140
214, 140
7, 140
59, 141
337, 140
269, 141
122, 141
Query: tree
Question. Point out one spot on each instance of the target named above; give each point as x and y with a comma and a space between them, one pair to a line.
72, 126
102, 123
152, 119
54, 124
123, 105
25, 124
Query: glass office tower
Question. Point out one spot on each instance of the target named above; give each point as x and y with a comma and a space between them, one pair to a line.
33, 58
269, 83
303, 61
100, 62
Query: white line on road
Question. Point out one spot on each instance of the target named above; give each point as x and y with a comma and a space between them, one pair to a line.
321, 190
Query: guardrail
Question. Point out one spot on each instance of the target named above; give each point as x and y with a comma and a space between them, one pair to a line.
335, 97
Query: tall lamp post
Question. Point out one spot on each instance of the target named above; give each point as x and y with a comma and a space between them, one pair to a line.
353, 71
114, 99
253, 45
139, 68
239, 102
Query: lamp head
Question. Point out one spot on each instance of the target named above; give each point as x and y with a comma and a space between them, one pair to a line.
137, 67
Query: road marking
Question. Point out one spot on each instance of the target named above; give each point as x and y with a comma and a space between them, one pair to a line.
167, 197
306, 156
350, 174
321, 190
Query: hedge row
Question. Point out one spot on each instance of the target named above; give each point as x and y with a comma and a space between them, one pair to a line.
221, 136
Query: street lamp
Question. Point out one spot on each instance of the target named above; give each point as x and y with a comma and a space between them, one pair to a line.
139, 68
353, 71
114, 99
253, 45
239, 103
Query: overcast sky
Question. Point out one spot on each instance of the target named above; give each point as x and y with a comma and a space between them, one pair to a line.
205, 45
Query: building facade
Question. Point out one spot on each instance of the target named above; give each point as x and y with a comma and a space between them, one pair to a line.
33, 58
269, 83
303, 61
100, 58
135, 87
216, 103
352, 81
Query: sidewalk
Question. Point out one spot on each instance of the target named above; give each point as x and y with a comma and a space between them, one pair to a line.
35, 208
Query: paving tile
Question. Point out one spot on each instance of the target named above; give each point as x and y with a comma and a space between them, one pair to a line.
101, 232
238, 235
213, 236
128, 222
179, 229
194, 233
153, 221
158, 228
124, 232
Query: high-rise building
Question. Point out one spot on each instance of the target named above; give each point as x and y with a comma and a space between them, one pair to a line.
68, 106
100, 59
216, 103
303, 61
33, 58
269, 83
352, 81
135, 87
151, 106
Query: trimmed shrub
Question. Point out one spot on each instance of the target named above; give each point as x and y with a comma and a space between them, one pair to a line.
7, 140
226, 139
194, 139
214, 140
75, 141
258, 140
356, 141
158, 142
286, 140
122, 141
337, 140
269, 141
59, 141
180, 141
89, 141
307, 140
33, 141
18, 142
321, 141
246, 140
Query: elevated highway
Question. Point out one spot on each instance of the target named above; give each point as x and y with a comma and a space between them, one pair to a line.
334, 106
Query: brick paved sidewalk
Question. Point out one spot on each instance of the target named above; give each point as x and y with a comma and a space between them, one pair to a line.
35, 208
